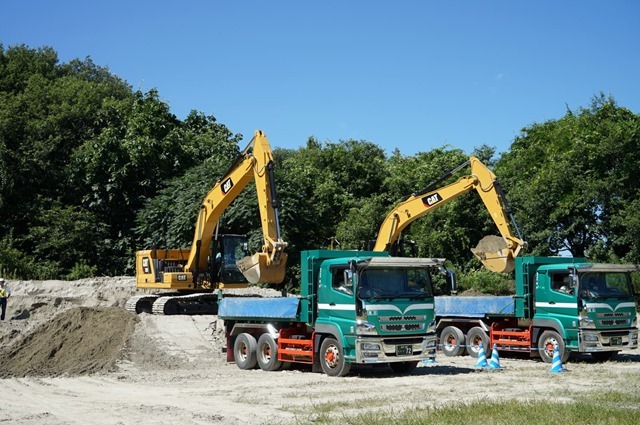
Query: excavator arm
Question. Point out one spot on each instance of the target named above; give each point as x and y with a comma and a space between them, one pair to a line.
496, 255
255, 163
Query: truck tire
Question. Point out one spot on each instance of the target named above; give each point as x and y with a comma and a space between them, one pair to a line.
244, 351
546, 346
404, 367
332, 358
267, 353
475, 337
452, 340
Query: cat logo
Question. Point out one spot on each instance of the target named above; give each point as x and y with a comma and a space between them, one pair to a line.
431, 200
227, 185
182, 277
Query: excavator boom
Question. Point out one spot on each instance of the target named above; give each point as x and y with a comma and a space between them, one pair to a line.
497, 254
269, 265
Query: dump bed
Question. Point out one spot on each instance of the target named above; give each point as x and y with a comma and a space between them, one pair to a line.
283, 309
476, 307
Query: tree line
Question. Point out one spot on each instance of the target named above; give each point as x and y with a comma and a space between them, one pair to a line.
92, 170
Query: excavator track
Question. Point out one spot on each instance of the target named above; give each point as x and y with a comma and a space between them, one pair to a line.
170, 304
141, 303
206, 303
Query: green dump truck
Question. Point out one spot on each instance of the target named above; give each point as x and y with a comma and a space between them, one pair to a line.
577, 306
354, 307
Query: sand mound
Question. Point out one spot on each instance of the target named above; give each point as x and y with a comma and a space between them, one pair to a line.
78, 341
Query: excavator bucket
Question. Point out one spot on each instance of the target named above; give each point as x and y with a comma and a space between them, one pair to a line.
493, 252
257, 269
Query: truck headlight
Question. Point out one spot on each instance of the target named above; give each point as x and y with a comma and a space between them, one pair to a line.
365, 328
587, 323
368, 346
431, 327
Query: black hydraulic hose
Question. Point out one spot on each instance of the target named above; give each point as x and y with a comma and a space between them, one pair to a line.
432, 185
271, 178
271, 168
238, 159
507, 207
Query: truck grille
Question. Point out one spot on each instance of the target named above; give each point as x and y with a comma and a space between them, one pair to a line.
614, 322
614, 319
406, 327
607, 315
401, 318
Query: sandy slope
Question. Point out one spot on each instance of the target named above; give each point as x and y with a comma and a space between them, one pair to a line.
166, 370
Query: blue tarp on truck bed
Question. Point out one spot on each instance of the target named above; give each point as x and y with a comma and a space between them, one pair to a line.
474, 306
258, 308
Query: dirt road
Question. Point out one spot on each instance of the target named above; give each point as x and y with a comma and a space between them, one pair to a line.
171, 370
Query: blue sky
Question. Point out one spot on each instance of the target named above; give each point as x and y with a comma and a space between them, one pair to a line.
411, 75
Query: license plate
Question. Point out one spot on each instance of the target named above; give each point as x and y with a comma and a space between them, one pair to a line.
404, 350
616, 340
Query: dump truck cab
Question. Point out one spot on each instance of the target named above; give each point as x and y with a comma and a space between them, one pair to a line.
590, 305
381, 307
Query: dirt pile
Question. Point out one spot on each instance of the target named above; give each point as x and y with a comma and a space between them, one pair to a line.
490, 243
78, 341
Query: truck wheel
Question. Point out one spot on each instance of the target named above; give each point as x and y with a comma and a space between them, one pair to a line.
547, 343
332, 358
475, 337
244, 351
452, 340
267, 353
403, 367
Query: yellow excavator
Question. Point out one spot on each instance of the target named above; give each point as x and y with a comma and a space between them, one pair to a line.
216, 261
496, 253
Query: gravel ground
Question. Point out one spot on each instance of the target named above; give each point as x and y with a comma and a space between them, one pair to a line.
72, 355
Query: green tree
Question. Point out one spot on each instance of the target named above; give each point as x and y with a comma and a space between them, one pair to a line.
80, 152
573, 182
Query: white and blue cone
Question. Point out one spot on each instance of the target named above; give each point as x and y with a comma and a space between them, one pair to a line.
495, 360
430, 360
556, 363
482, 358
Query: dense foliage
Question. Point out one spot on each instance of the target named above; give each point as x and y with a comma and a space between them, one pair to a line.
91, 171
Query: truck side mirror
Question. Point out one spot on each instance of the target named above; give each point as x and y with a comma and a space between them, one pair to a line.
352, 266
450, 279
574, 280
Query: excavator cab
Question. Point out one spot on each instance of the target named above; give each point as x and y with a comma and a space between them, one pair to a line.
226, 250
234, 266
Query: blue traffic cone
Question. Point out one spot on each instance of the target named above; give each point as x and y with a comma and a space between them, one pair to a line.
556, 363
495, 360
482, 358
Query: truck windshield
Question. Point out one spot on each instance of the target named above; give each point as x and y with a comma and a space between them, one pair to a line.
390, 283
604, 285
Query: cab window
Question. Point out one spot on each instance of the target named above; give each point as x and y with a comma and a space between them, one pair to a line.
342, 280
561, 282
